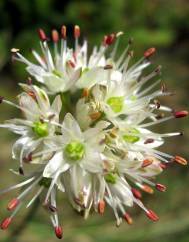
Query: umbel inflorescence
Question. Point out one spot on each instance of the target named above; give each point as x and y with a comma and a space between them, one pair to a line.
86, 131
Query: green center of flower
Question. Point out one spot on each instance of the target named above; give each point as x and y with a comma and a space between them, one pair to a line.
116, 103
40, 129
133, 137
74, 151
111, 177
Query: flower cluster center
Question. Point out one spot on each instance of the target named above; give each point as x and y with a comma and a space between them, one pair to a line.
116, 103
40, 129
74, 151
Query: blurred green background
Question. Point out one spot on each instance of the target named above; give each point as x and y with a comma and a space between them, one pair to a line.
159, 23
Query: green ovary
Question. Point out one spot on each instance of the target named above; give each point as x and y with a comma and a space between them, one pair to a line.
57, 73
116, 103
40, 129
111, 178
74, 151
132, 138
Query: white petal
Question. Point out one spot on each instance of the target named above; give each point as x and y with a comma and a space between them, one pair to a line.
57, 163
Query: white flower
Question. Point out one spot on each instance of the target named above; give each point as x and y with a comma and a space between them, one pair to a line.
76, 147
38, 125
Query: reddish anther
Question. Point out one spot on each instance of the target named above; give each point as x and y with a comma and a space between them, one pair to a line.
149, 52
109, 39
147, 162
58, 232
136, 193
128, 218
13, 204
180, 160
161, 187
180, 114
147, 189
152, 215
101, 206
42, 35
63, 32
5, 223
163, 166
55, 36
76, 31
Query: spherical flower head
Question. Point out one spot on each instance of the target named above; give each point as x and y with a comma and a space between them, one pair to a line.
98, 147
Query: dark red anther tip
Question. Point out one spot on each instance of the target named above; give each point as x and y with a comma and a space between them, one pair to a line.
136, 193
152, 215
58, 231
149, 52
5, 223
109, 39
161, 187
42, 35
147, 162
128, 218
21, 171
55, 36
71, 63
101, 206
1, 99
180, 114
13, 204
52, 208
63, 32
180, 160
148, 141
76, 31
163, 166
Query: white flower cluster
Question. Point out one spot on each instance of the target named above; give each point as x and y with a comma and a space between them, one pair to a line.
103, 151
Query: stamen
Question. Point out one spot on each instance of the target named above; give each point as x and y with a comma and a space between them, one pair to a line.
13, 204
147, 189
109, 39
55, 36
85, 92
42, 35
63, 32
163, 166
148, 141
180, 114
58, 231
76, 31
152, 215
95, 116
147, 162
161, 187
1, 99
21, 171
5, 223
52, 208
128, 218
180, 160
101, 206
149, 52
137, 194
